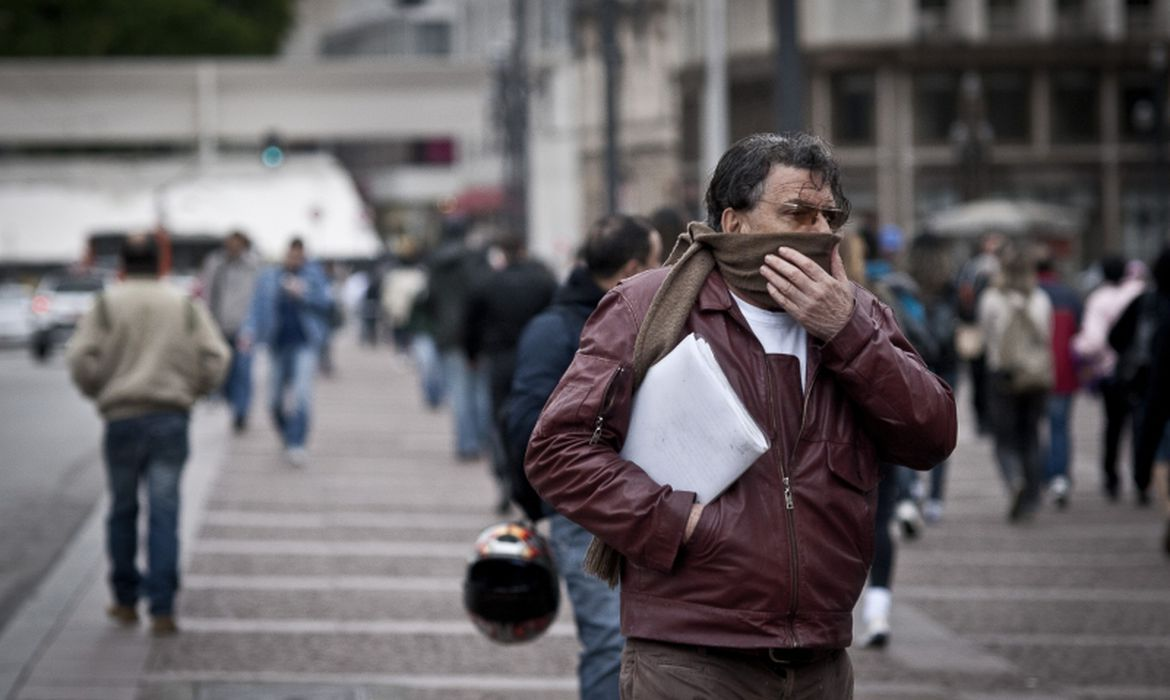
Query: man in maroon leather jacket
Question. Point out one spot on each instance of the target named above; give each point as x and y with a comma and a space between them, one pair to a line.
750, 595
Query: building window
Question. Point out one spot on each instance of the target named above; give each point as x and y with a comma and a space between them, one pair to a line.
854, 96
1009, 107
1074, 107
1003, 17
936, 106
1072, 18
1136, 108
932, 18
1139, 17
432, 38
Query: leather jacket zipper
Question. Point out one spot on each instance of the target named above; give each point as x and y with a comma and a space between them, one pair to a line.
606, 404
790, 515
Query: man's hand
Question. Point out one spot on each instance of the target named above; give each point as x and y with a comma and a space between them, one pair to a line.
692, 521
295, 286
820, 302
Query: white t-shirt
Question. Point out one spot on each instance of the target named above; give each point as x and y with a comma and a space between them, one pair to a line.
778, 332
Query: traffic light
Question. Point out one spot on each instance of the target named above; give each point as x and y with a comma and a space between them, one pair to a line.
272, 154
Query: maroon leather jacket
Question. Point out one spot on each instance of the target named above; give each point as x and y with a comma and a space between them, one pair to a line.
780, 558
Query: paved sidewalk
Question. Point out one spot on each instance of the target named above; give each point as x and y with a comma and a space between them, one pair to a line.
341, 581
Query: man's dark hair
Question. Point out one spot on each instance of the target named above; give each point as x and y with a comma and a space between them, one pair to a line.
1161, 271
738, 181
614, 240
1113, 268
668, 222
296, 243
140, 256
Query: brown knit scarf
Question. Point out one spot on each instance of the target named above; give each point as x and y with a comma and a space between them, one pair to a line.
697, 252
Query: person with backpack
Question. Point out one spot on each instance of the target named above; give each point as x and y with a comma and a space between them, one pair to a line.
616, 247
1015, 317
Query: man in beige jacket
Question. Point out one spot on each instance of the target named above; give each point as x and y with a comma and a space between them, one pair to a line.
144, 353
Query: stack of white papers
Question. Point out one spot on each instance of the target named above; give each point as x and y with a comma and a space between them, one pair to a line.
688, 427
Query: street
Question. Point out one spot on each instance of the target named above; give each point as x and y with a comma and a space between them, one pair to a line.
50, 470
342, 580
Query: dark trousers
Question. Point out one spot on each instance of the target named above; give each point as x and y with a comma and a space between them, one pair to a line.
881, 574
659, 671
1016, 418
1118, 407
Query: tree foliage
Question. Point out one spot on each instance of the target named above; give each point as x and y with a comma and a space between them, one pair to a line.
142, 27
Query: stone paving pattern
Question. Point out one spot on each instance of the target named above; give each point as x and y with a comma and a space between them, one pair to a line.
341, 580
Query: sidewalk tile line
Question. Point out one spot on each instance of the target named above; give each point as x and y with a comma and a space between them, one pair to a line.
275, 584
1072, 640
323, 548
444, 682
205, 625
313, 520
1028, 594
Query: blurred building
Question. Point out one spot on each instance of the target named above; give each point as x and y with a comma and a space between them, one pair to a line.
928, 102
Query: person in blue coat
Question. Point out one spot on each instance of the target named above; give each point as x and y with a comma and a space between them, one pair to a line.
616, 247
290, 313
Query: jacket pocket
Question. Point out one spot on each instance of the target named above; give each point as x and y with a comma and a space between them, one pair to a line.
854, 463
586, 395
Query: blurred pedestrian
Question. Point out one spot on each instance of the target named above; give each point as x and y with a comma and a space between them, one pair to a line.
404, 306
291, 311
1141, 338
1066, 321
228, 280
707, 609
1123, 282
974, 277
616, 247
898, 291
453, 269
930, 266
1015, 318
144, 352
498, 307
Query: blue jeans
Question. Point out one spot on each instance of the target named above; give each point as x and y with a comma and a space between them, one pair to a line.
237, 388
1059, 414
151, 447
430, 370
596, 610
291, 391
470, 403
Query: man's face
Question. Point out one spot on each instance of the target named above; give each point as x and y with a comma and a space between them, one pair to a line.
792, 202
294, 259
235, 246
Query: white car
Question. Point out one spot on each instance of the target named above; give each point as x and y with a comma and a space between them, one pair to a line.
15, 323
58, 303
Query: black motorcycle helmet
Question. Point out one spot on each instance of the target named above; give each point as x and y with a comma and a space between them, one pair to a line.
511, 590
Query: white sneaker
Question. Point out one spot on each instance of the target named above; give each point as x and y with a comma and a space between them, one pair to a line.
932, 512
909, 519
1060, 488
875, 614
297, 456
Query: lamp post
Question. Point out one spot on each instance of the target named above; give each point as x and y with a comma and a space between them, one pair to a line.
1159, 66
971, 135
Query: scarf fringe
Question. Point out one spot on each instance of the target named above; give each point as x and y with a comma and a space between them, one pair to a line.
604, 562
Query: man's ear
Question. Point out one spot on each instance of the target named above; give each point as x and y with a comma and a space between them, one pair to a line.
730, 221
631, 268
